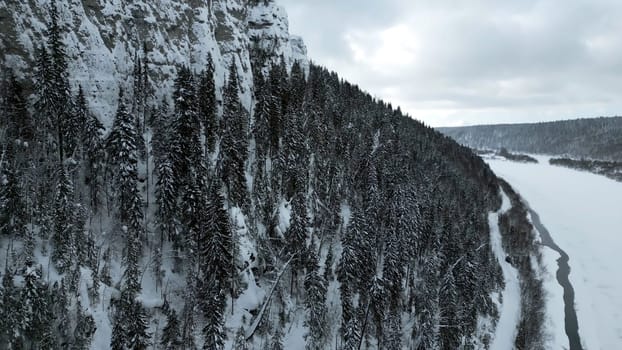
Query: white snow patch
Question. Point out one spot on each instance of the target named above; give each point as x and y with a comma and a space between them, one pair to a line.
285, 214
346, 214
510, 297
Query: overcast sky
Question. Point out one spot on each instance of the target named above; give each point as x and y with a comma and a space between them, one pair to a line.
464, 62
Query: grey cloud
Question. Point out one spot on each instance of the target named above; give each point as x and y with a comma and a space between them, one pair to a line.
475, 61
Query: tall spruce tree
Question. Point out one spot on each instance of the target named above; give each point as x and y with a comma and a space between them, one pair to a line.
234, 142
265, 105
277, 81
315, 287
122, 159
297, 234
92, 153
11, 315
171, 337
166, 198
207, 104
16, 117
64, 226
60, 94
13, 214
217, 269
186, 150
294, 156
128, 331
85, 328
34, 306
297, 87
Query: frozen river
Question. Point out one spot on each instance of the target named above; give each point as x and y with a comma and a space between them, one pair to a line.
583, 214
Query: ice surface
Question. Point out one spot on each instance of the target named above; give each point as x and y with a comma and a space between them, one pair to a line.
583, 213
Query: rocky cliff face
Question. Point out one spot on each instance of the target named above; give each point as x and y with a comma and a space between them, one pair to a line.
103, 37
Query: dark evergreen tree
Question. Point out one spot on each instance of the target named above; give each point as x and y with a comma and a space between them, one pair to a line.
376, 311
296, 87
277, 340
129, 329
94, 288
166, 197
216, 270
105, 271
131, 275
16, 118
171, 337
276, 104
34, 306
265, 107
315, 288
234, 142
92, 152
186, 151
393, 332
64, 226
130, 325
45, 98
450, 328
357, 265
328, 265
297, 234
60, 94
346, 275
13, 216
161, 127
139, 339
294, 156
139, 102
85, 329
122, 158
207, 104
429, 317
394, 263
351, 336
240, 340
12, 319
214, 301
60, 303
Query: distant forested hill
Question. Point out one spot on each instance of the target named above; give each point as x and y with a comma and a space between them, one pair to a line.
599, 138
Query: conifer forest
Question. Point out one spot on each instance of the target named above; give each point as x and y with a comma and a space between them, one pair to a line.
316, 216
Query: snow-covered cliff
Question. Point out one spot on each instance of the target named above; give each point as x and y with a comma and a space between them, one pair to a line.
103, 38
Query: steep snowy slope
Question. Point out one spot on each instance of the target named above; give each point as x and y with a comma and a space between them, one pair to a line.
104, 38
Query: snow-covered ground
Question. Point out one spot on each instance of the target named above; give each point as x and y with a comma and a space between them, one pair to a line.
509, 311
583, 213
